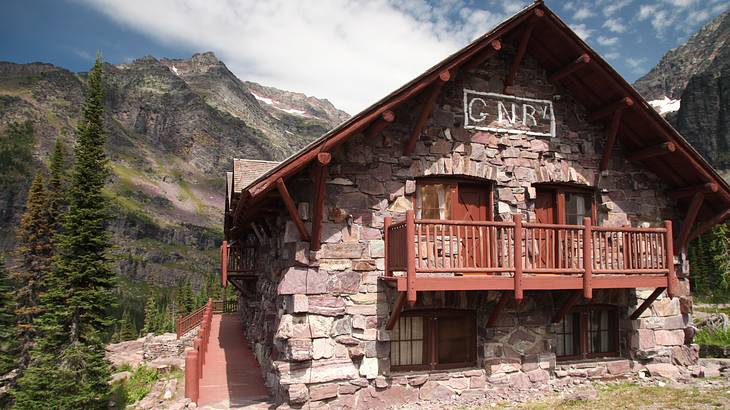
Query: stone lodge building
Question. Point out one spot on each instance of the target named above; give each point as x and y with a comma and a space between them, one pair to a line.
517, 213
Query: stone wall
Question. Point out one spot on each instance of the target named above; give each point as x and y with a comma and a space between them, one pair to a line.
316, 321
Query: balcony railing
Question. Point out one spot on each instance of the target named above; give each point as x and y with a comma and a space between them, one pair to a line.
465, 255
237, 260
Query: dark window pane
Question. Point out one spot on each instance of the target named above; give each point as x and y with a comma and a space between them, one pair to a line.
567, 337
455, 339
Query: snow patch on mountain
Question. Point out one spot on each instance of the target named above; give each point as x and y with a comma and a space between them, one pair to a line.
665, 105
275, 104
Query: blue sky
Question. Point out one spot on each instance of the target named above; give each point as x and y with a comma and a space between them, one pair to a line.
352, 52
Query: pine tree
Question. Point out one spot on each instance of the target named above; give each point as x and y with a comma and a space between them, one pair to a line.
68, 368
16, 163
56, 191
34, 252
188, 299
150, 311
127, 328
8, 330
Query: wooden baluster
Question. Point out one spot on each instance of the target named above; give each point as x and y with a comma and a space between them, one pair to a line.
411, 259
386, 228
519, 294
451, 246
587, 260
474, 246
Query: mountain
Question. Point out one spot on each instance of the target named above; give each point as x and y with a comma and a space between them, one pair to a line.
173, 127
691, 87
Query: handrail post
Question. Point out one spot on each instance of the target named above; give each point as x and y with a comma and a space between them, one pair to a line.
519, 293
671, 274
386, 226
192, 383
587, 258
411, 257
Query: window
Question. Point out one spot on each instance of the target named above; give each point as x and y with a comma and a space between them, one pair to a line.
452, 199
436, 339
564, 204
587, 332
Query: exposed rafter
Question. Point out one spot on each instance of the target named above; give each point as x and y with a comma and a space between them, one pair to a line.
571, 68
707, 188
522, 48
707, 225
689, 219
647, 303
624, 102
654, 151
379, 125
323, 159
291, 207
426, 109
486, 54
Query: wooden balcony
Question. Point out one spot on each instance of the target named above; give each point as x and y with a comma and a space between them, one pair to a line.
429, 255
238, 261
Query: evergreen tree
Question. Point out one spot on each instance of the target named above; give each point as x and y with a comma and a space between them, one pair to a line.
34, 252
16, 163
150, 312
56, 192
8, 337
127, 328
188, 299
68, 368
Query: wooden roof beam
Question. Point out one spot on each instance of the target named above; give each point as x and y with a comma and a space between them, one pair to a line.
379, 125
707, 188
323, 159
689, 219
486, 54
571, 68
707, 225
426, 109
651, 152
611, 138
292, 208
624, 102
522, 48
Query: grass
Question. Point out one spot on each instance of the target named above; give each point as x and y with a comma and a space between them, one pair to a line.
713, 309
138, 385
626, 395
716, 337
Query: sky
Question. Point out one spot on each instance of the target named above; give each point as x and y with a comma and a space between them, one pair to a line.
352, 52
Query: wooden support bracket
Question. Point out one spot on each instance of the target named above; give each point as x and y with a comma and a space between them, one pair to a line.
651, 152
521, 49
486, 54
397, 309
707, 225
610, 109
571, 68
611, 138
572, 300
378, 125
426, 109
291, 207
323, 159
689, 220
708, 188
503, 298
646, 304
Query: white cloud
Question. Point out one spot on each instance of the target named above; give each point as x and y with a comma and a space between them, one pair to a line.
583, 13
607, 41
83, 54
646, 11
637, 65
614, 6
613, 55
582, 31
350, 51
615, 25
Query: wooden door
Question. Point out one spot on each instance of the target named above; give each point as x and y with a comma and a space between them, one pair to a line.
473, 205
546, 213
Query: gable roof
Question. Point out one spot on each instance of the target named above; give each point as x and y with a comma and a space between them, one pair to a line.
596, 86
245, 171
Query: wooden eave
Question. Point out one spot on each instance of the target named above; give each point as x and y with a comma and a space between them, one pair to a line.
554, 45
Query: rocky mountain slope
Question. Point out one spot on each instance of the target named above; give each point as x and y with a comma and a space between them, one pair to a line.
173, 128
691, 87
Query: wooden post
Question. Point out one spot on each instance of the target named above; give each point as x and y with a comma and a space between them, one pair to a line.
386, 225
519, 294
587, 258
192, 384
224, 264
671, 274
410, 257
198, 346
323, 159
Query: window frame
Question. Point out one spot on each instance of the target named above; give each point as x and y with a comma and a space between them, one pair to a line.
559, 192
430, 318
454, 182
613, 333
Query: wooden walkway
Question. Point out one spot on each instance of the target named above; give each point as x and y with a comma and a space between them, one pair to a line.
231, 375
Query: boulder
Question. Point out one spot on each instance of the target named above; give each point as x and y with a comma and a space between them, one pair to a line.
665, 370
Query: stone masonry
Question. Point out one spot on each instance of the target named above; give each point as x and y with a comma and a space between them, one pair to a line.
316, 319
